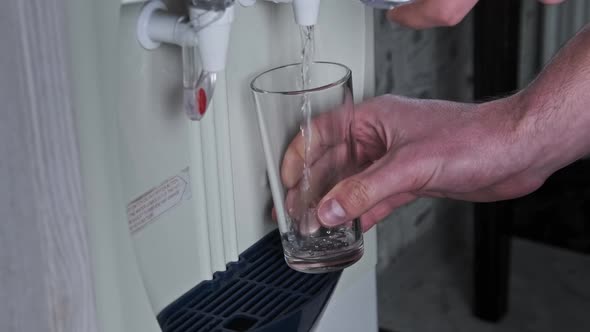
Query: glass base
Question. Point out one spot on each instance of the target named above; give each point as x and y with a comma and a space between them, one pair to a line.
327, 263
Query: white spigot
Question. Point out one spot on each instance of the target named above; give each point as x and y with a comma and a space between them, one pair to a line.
203, 35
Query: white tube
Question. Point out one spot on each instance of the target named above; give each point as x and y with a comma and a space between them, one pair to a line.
156, 25
167, 28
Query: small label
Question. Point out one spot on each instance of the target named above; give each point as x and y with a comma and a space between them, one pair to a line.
148, 207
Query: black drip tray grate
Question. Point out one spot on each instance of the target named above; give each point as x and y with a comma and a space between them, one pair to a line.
257, 293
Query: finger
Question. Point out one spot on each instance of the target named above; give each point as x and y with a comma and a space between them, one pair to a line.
431, 13
329, 129
384, 209
326, 130
323, 175
302, 200
332, 167
357, 194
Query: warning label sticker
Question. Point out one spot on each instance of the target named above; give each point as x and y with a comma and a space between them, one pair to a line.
148, 207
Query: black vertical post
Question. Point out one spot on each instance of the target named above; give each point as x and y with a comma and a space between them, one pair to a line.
496, 40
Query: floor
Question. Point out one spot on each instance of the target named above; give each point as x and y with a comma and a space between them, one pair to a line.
428, 289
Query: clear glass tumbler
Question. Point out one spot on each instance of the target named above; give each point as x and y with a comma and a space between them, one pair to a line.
320, 116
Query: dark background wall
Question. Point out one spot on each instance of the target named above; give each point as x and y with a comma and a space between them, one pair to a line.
426, 248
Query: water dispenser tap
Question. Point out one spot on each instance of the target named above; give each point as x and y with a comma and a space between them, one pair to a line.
211, 21
203, 35
306, 11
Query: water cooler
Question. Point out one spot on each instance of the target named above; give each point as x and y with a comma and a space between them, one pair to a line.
176, 205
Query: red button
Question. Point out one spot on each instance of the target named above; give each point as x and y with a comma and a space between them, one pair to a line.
202, 101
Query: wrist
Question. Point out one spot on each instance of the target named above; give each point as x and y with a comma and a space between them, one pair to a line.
549, 130
555, 108
517, 149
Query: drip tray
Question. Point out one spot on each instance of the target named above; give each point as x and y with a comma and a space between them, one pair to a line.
258, 293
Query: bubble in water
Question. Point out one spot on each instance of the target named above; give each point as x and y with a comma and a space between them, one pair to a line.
320, 245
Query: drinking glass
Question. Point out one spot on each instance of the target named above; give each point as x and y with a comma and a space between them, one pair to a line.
326, 155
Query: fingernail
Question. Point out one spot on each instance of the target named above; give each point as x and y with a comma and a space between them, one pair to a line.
331, 213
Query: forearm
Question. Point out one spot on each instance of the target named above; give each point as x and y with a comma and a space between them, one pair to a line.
556, 121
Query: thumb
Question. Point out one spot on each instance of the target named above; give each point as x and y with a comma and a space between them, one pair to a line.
357, 194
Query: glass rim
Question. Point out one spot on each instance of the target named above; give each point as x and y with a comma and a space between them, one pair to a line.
337, 82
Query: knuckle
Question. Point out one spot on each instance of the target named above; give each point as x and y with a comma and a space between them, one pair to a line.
449, 20
447, 16
357, 196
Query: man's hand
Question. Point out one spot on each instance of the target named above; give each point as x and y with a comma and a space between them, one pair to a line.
486, 152
415, 148
424, 14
